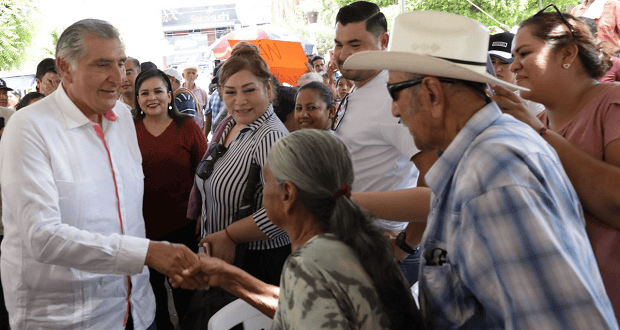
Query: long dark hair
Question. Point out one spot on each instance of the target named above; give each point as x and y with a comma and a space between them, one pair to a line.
319, 164
550, 28
173, 112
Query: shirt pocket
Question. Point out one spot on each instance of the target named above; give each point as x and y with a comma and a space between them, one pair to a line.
442, 297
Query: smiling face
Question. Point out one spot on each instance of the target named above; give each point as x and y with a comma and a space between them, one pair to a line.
536, 66
246, 97
311, 111
154, 97
94, 82
351, 39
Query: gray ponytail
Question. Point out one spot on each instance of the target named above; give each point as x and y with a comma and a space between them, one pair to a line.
319, 164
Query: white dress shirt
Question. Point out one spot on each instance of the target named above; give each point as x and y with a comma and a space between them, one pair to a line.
381, 148
68, 198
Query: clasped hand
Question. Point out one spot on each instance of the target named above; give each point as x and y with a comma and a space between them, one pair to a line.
205, 272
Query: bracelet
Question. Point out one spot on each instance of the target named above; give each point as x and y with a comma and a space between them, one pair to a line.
542, 131
229, 237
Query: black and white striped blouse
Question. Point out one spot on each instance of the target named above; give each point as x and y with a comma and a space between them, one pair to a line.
222, 192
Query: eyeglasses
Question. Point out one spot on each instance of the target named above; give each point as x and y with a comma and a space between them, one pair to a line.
562, 17
394, 88
342, 110
205, 168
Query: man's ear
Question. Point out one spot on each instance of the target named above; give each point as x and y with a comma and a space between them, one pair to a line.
384, 40
64, 70
432, 96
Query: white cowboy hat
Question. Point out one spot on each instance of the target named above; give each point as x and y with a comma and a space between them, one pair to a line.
435, 44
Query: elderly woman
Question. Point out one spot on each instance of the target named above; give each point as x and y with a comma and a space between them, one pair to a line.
341, 274
557, 58
171, 144
229, 182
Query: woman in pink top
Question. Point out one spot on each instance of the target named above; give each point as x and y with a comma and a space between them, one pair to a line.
557, 58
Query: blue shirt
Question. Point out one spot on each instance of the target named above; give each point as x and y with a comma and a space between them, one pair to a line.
505, 246
214, 106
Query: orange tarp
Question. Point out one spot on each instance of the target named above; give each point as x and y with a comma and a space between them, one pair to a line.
286, 59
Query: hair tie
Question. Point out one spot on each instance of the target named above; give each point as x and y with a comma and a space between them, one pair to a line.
344, 190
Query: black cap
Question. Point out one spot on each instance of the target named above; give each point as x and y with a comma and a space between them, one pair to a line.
3, 85
45, 66
500, 45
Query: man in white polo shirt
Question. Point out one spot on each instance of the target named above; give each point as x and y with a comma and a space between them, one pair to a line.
382, 150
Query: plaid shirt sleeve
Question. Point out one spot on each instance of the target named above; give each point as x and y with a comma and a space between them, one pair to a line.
516, 260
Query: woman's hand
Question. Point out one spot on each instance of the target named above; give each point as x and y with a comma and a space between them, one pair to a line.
222, 246
513, 105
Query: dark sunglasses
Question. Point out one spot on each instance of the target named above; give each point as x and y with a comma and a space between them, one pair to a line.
562, 17
394, 88
205, 168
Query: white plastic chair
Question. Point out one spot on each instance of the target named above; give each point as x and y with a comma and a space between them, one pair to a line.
237, 312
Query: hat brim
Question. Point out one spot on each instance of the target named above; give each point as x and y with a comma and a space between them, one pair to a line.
505, 57
421, 64
6, 88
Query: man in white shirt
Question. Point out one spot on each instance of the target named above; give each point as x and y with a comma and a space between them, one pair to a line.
382, 150
74, 254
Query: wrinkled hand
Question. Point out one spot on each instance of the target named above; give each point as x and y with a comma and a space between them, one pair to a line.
513, 104
171, 260
222, 247
209, 268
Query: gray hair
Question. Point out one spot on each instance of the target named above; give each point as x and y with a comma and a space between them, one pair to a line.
319, 164
71, 46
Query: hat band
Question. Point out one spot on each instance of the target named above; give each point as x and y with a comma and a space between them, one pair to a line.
462, 61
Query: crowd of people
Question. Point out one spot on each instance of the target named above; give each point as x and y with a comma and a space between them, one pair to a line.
434, 177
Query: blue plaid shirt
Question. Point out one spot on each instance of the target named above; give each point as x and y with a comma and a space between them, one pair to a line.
214, 106
505, 245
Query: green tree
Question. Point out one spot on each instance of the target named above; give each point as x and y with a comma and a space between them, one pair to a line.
501, 13
16, 31
493, 13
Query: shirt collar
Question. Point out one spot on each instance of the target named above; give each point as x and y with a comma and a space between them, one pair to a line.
440, 174
74, 117
258, 122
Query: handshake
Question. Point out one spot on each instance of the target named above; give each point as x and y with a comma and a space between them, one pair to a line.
183, 267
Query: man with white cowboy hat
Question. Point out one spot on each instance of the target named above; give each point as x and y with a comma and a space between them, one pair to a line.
505, 244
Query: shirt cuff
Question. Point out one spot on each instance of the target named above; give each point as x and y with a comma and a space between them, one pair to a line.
132, 255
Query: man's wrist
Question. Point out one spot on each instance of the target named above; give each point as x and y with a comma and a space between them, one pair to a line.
402, 243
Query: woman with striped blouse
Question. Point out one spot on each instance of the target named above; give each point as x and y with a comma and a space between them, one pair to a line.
229, 182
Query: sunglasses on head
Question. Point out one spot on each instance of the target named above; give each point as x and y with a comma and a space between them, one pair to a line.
562, 17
